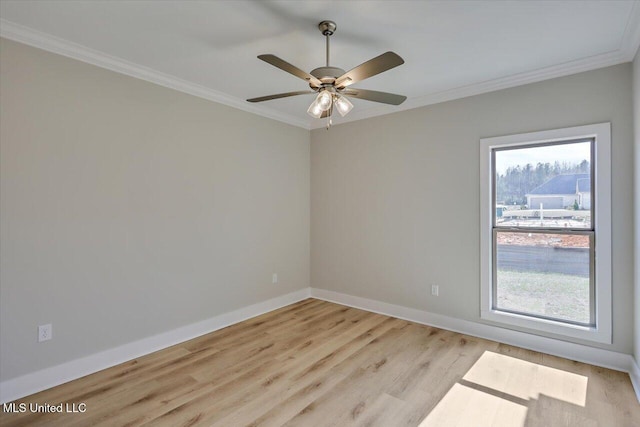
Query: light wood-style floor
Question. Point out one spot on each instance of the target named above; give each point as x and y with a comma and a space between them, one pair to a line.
316, 363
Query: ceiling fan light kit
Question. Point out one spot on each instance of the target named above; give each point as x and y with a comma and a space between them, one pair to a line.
331, 83
343, 105
315, 110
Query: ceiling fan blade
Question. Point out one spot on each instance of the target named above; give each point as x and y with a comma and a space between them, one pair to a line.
377, 65
280, 95
285, 66
375, 96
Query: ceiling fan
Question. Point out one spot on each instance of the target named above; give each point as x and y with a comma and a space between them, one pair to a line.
332, 84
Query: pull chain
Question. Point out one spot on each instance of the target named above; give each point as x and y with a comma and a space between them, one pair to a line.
329, 122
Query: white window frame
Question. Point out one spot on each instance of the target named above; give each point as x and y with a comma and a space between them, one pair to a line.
601, 331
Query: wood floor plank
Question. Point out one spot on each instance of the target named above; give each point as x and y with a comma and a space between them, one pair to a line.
386, 410
316, 363
311, 370
292, 404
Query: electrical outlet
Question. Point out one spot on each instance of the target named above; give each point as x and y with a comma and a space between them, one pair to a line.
274, 278
435, 289
45, 332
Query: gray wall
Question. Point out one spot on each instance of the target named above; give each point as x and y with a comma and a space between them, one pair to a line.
128, 209
395, 199
636, 126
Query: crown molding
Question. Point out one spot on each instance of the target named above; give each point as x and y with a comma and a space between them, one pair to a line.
31, 37
561, 70
631, 38
625, 53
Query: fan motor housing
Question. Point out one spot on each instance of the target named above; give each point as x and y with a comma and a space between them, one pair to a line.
326, 74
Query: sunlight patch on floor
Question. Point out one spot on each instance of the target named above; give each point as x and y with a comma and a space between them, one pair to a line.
527, 380
497, 390
465, 406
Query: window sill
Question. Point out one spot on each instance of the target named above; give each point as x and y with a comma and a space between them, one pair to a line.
586, 333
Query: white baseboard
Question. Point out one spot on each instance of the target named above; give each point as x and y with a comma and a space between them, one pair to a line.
634, 374
582, 353
50, 377
46, 378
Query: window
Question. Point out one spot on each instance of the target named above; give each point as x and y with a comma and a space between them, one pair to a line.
546, 233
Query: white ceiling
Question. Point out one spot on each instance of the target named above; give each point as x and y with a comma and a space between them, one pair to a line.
451, 49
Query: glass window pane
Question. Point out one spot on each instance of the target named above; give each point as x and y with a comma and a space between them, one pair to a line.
543, 274
544, 186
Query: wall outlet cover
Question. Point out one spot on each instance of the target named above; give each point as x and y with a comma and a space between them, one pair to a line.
45, 332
